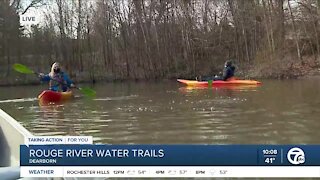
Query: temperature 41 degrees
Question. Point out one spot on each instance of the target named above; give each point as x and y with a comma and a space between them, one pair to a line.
269, 160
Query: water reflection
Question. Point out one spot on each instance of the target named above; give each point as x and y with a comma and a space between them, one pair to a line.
229, 88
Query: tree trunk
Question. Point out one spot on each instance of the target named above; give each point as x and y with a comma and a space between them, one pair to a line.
295, 32
79, 34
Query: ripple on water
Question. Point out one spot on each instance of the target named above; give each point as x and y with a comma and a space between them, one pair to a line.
19, 100
116, 98
93, 131
290, 113
46, 133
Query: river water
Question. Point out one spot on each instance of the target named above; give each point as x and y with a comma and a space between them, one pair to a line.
277, 112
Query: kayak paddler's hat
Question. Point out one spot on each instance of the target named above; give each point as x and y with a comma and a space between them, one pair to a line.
228, 63
55, 67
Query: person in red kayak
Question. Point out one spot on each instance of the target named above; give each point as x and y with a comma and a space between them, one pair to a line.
58, 80
228, 72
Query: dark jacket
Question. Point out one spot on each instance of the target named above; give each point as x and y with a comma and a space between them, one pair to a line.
228, 72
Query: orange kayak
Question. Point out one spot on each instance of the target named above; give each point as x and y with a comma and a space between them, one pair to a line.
48, 96
219, 82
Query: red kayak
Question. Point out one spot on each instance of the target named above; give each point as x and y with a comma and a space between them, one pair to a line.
48, 96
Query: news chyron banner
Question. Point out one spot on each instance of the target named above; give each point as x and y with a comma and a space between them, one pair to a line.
78, 157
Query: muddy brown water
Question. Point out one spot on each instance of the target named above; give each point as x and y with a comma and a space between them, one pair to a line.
277, 112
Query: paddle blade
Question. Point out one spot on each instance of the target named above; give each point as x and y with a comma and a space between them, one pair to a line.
22, 69
88, 91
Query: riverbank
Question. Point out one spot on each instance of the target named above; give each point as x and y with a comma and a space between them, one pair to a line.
277, 69
286, 68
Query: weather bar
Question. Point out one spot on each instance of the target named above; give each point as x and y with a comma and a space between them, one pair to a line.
171, 171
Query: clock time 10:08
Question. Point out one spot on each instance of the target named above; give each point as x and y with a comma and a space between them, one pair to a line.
270, 152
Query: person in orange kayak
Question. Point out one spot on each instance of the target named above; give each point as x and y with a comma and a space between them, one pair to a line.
228, 72
58, 80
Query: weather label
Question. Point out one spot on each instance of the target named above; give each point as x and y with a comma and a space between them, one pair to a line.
270, 156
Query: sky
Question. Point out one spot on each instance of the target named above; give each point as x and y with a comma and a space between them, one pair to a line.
37, 13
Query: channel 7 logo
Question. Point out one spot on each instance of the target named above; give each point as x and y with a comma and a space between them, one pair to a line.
296, 156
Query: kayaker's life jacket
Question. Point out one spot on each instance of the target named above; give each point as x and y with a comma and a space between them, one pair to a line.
57, 82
